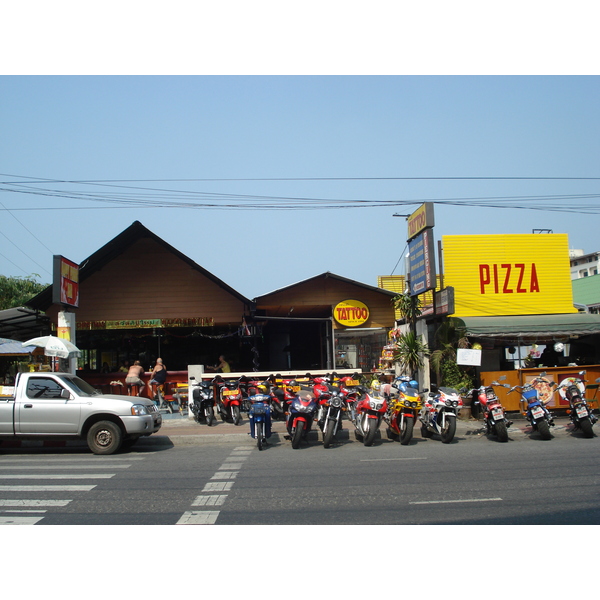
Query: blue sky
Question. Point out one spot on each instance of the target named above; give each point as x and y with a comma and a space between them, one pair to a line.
309, 130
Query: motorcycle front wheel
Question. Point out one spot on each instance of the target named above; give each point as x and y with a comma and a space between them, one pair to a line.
329, 432
210, 415
371, 431
406, 432
297, 437
586, 428
235, 412
544, 430
258, 432
448, 431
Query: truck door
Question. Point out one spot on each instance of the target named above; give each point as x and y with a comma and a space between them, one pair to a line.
42, 410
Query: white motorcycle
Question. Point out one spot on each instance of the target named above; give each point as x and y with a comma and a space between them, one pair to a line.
439, 413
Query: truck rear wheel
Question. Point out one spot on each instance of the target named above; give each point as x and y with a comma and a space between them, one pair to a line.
104, 437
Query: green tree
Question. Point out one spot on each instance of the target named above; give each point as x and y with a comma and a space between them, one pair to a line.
448, 338
17, 291
410, 351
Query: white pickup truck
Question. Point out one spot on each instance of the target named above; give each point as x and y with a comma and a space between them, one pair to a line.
63, 406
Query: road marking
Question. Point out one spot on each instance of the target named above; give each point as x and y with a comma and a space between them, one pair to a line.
383, 459
54, 476
19, 520
66, 459
56, 467
19, 511
225, 475
34, 502
195, 517
234, 466
218, 486
46, 488
457, 501
212, 500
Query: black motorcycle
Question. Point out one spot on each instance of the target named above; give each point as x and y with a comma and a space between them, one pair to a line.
581, 415
203, 401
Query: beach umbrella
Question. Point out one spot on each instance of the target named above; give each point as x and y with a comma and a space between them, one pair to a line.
54, 346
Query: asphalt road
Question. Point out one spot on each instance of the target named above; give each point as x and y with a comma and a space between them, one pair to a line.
473, 481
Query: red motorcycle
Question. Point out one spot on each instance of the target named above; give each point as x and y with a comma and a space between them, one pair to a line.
496, 422
282, 391
229, 400
367, 413
300, 417
332, 405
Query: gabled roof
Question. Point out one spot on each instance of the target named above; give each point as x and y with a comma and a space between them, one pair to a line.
118, 246
328, 275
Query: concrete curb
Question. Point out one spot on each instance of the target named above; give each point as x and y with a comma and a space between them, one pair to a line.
184, 432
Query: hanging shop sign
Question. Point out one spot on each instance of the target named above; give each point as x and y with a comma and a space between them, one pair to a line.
517, 274
351, 313
420, 220
422, 263
65, 282
146, 323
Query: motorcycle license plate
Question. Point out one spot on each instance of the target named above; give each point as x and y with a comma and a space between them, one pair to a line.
497, 414
294, 388
231, 392
258, 410
537, 413
582, 412
352, 382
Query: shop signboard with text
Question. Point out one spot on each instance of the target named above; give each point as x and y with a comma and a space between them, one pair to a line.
351, 313
422, 263
511, 274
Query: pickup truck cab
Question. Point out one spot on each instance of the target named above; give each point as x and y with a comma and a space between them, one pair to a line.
63, 406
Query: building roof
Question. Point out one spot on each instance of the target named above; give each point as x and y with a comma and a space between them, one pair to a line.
586, 290
21, 323
328, 275
118, 246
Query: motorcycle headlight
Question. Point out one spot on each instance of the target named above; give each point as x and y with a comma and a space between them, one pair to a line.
376, 404
139, 410
336, 402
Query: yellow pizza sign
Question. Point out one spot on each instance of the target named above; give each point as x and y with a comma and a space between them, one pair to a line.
518, 274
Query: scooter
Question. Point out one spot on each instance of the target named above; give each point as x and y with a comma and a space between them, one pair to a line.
572, 389
439, 413
536, 412
259, 414
331, 408
495, 419
403, 409
203, 402
367, 413
230, 400
301, 414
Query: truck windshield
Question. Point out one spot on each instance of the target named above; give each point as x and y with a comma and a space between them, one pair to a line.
81, 387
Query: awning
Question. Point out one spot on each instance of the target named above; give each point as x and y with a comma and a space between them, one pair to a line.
531, 326
22, 323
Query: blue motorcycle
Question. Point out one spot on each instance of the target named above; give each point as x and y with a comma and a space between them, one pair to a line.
536, 412
259, 414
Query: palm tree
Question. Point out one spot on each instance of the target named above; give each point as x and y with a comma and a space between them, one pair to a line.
410, 350
450, 336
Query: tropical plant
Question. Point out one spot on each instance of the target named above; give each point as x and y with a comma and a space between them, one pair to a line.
410, 352
448, 338
17, 291
408, 306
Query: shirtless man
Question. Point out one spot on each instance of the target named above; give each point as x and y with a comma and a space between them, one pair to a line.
134, 376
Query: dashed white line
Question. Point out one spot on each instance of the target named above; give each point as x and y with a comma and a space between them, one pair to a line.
225, 475
194, 517
458, 501
212, 500
218, 486
70, 476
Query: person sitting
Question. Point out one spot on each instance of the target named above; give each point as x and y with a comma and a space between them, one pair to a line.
134, 377
158, 375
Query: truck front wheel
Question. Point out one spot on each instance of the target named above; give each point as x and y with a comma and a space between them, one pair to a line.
104, 437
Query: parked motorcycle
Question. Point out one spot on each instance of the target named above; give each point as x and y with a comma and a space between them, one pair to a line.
203, 402
259, 415
301, 414
331, 408
572, 389
536, 412
367, 413
496, 422
439, 413
229, 402
403, 409
282, 391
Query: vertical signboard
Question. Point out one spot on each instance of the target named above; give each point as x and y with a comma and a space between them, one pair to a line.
422, 263
65, 285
